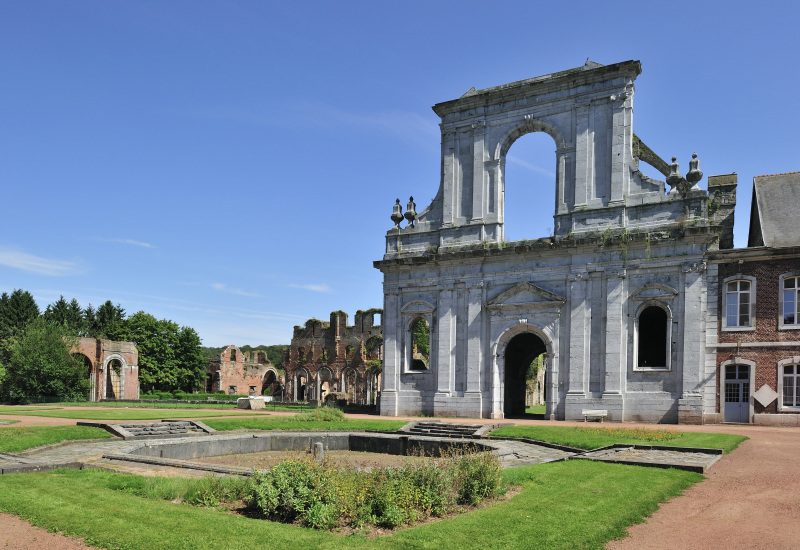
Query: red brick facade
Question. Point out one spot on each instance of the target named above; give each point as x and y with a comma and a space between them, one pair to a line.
764, 343
113, 368
236, 374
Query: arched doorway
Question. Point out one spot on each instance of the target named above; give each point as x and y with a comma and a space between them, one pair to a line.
113, 379
520, 353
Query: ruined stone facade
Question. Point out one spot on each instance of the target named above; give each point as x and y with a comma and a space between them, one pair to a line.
237, 373
335, 359
113, 368
617, 298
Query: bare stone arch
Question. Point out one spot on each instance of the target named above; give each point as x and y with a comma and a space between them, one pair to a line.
113, 377
499, 348
528, 125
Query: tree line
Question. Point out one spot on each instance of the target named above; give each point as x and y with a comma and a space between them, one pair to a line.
36, 346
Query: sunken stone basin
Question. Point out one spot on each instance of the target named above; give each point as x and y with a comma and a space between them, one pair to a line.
181, 453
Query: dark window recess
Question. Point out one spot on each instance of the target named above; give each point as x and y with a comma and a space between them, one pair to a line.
652, 338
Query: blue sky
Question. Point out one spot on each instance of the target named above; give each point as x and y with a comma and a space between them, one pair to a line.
232, 165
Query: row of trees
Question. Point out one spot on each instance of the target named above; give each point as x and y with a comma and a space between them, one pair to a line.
35, 347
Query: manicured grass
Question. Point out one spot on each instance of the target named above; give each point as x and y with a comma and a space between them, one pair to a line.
574, 504
292, 423
123, 414
15, 409
182, 405
594, 437
16, 439
537, 409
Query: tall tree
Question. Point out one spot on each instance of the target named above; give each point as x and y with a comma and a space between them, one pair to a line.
16, 311
170, 357
41, 364
67, 314
107, 321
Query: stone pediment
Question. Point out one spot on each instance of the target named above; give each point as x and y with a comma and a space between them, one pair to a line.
525, 296
654, 291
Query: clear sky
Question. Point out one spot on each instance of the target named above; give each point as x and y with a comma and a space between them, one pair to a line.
232, 165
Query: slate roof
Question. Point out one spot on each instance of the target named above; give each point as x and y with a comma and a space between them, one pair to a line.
774, 211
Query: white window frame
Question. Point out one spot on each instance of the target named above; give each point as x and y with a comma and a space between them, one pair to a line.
781, 324
785, 363
752, 314
668, 366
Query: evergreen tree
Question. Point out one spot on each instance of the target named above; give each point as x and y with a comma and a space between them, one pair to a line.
67, 314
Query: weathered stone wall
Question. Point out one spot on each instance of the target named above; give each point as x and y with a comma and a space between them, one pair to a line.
623, 243
327, 358
232, 373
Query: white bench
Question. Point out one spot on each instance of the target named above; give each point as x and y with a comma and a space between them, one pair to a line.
594, 413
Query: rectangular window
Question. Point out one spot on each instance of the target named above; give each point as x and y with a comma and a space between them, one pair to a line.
791, 386
791, 299
738, 304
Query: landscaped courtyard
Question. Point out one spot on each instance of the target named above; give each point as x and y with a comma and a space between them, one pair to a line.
574, 504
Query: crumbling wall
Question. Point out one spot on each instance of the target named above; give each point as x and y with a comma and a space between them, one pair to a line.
235, 373
334, 359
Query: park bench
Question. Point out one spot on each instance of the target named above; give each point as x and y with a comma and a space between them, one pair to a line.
594, 413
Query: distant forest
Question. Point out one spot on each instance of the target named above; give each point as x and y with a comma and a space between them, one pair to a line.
274, 353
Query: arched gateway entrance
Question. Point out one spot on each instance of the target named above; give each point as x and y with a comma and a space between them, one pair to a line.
520, 352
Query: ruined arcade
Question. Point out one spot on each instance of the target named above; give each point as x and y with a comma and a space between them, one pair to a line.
618, 298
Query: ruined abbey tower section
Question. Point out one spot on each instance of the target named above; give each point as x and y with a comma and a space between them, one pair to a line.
616, 299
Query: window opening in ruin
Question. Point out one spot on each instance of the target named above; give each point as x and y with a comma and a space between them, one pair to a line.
252, 391
231, 390
377, 320
524, 358
530, 187
652, 347
301, 355
113, 376
349, 385
420, 344
233, 356
324, 356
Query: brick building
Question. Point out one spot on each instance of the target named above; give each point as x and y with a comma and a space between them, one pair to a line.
237, 373
113, 368
758, 349
335, 359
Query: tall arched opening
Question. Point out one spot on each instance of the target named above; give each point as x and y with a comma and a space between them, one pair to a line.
520, 353
529, 187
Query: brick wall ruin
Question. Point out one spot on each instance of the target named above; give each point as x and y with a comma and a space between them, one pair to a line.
334, 359
113, 368
238, 373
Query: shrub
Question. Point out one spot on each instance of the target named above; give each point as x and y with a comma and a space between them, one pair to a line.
323, 496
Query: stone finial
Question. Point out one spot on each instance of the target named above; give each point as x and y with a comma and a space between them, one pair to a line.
694, 175
674, 177
411, 213
397, 214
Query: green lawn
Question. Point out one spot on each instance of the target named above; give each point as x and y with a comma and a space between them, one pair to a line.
295, 423
574, 504
16, 439
182, 405
122, 414
537, 409
595, 437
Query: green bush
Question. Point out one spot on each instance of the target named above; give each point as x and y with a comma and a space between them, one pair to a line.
323, 497
324, 414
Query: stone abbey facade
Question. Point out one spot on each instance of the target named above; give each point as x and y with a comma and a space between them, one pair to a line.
334, 359
622, 297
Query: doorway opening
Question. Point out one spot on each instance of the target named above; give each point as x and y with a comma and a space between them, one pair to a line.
520, 364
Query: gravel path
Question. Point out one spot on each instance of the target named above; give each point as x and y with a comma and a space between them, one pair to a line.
749, 500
